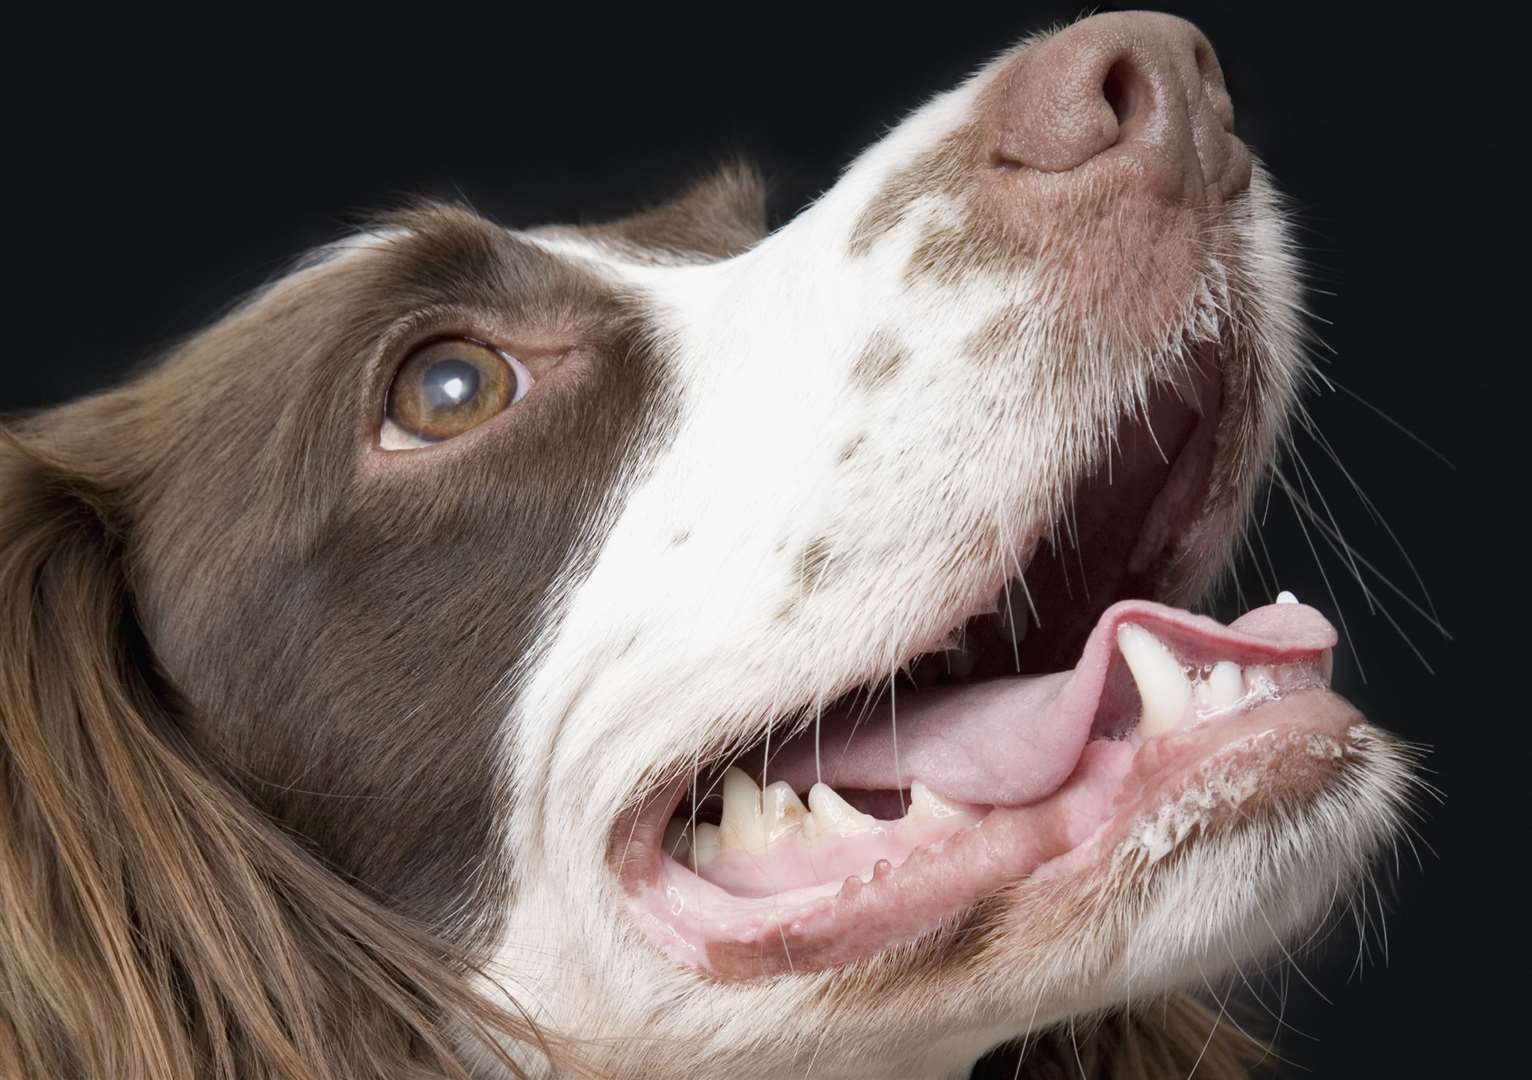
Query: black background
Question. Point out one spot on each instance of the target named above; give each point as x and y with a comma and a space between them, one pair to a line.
159, 172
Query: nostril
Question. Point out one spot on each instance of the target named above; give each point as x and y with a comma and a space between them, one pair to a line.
1207, 66
1122, 91
1207, 63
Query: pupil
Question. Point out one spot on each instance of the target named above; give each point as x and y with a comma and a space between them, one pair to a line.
450, 384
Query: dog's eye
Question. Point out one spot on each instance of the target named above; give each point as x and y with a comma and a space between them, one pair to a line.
449, 387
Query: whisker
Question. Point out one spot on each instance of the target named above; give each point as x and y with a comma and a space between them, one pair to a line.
1381, 609
1372, 509
1382, 577
1325, 577
1406, 432
1355, 570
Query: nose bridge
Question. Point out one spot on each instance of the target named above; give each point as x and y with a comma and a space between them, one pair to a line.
1140, 89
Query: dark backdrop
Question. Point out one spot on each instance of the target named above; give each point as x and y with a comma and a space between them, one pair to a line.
162, 171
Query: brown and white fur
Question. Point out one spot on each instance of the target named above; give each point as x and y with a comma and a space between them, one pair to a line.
322, 752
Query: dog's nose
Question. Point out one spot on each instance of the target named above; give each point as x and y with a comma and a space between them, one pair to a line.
1139, 92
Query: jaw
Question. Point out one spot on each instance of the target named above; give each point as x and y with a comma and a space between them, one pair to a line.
1143, 907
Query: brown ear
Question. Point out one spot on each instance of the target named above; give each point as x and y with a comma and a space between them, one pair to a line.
152, 923
715, 218
1163, 1040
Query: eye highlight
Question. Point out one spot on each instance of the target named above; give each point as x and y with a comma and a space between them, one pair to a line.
449, 387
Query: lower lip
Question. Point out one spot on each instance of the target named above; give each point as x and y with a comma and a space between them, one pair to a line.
1121, 795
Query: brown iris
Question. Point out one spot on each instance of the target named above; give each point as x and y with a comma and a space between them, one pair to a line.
449, 387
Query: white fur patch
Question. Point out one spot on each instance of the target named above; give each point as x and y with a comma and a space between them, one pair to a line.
695, 627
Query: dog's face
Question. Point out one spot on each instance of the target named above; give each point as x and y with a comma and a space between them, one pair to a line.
475, 558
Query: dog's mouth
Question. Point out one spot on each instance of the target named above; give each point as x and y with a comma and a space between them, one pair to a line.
1052, 727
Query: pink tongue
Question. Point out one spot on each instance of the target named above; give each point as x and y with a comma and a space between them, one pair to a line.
1014, 741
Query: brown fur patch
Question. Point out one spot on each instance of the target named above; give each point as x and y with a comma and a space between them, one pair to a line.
158, 925
879, 361
852, 448
942, 170
231, 624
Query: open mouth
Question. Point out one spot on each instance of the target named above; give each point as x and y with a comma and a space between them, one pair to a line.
1056, 725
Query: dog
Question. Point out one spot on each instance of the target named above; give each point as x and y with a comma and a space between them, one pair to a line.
670, 648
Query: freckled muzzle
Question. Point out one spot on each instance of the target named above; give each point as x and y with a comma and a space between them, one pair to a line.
1067, 258
906, 803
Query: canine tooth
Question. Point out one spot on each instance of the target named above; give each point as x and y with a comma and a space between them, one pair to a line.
1162, 684
707, 845
1226, 684
926, 803
742, 827
782, 809
831, 815
1285, 597
675, 839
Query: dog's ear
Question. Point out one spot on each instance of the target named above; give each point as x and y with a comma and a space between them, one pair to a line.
715, 218
152, 922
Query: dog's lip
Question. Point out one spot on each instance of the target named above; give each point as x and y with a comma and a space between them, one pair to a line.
1287, 747
1111, 785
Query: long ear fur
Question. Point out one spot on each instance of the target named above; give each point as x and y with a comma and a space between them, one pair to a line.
153, 924
1164, 1040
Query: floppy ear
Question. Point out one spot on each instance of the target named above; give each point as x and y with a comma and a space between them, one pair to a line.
153, 924
1171, 1037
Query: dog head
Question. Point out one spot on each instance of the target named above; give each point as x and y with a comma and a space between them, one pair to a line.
406, 648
